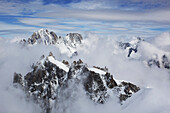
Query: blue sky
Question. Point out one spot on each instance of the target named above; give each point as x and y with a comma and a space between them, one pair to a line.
104, 17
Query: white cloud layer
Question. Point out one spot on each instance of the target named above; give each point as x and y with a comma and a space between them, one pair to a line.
163, 39
99, 52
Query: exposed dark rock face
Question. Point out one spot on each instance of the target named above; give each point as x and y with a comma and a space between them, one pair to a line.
153, 62
54, 37
50, 79
42, 82
95, 88
123, 97
66, 63
42, 36
110, 82
69, 43
132, 47
50, 38
164, 63
103, 69
77, 68
75, 38
18, 78
124, 45
129, 88
160, 61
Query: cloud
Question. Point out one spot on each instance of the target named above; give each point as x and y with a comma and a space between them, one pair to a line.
36, 21
54, 10
96, 51
71, 25
14, 8
121, 4
148, 4
109, 18
6, 26
89, 5
118, 28
163, 41
12, 30
96, 16
44, 22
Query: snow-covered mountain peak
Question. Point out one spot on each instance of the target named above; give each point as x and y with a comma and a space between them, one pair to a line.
130, 47
74, 38
50, 81
67, 45
56, 83
49, 37
147, 52
43, 36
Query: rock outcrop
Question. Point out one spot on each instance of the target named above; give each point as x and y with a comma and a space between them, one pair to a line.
74, 39
156, 57
50, 77
67, 45
131, 46
164, 62
50, 38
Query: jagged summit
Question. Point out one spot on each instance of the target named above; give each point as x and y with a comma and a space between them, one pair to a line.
74, 38
68, 44
43, 36
50, 38
56, 83
132, 46
51, 79
164, 62
149, 53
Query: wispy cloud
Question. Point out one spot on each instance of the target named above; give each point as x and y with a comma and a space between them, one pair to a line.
11, 30
111, 15
96, 15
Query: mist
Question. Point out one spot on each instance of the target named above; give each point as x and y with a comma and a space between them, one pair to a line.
99, 51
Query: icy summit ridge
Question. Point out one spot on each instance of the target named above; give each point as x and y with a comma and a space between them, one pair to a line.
50, 79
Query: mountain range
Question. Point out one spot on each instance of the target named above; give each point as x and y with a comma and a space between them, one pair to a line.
57, 72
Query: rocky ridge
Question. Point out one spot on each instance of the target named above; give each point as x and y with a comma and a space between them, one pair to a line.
67, 44
50, 79
132, 46
163, 63
157, 57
